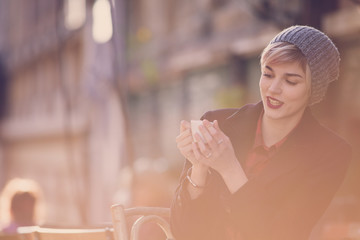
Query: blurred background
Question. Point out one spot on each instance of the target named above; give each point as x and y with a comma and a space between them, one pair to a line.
92, 93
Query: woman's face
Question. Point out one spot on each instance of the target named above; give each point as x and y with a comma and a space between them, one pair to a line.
285, 90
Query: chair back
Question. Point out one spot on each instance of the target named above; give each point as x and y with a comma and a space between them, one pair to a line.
40, 233
121, 216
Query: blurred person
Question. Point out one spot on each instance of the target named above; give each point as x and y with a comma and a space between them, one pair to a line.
20, 205
266, 171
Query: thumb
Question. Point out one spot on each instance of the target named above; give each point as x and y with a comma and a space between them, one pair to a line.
216, 125
184, 125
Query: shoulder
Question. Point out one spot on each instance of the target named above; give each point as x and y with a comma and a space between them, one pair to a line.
331, 141
330, 154
324, 140
323, 134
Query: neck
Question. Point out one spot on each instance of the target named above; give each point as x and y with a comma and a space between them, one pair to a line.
274, 130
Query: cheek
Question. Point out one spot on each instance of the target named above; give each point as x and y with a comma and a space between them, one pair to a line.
262, 84
299, 95
261, 88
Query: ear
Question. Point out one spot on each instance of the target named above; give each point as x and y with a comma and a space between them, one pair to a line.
308, 80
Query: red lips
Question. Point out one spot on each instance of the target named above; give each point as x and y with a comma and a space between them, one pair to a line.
274, 103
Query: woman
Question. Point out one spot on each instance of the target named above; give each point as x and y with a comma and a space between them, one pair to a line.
269, 170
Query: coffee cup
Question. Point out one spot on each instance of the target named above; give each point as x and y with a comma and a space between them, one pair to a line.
195, 129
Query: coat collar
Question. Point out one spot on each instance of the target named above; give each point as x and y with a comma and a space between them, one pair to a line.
242, 128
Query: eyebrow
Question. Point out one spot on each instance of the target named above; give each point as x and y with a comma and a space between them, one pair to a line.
287, 74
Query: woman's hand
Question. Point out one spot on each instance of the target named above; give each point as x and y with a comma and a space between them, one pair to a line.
199, 171
216, 151
184, 143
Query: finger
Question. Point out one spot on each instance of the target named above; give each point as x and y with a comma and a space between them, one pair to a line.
184, 135
217, 137
190, 154
216, 125
184, 125
209, 126
205, 133
199, 138
190, 157
183, 138
204, 150
221, 135
196, 151
186, 150
183, 145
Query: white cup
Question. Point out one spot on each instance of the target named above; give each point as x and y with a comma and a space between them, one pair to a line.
195, 128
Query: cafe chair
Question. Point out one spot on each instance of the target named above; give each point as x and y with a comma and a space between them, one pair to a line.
121, 218
42, 233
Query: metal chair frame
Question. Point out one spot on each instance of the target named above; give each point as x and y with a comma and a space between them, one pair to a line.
42, 233
156, 215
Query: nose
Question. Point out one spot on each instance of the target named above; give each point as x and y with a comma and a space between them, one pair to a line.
276, 86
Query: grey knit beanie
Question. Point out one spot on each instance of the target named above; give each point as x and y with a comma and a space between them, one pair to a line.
322, 56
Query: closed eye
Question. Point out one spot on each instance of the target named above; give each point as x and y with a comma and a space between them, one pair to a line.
267, 75
291, 83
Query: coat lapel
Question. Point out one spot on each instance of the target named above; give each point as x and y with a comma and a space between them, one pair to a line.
241, 128
291, 153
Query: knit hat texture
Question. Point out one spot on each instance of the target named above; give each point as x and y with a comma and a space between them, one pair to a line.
322, 56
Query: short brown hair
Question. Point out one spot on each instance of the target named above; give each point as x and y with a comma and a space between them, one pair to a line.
281, 52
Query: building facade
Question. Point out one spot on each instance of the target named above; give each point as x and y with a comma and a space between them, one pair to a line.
64, 125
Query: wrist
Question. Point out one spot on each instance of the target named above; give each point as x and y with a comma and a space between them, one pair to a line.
234, 177
197, 177
199, 170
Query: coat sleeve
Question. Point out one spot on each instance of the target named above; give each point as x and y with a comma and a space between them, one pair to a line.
200, 218
204, 217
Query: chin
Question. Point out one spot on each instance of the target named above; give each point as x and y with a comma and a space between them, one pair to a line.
273, 116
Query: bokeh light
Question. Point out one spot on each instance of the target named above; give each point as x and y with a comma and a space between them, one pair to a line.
75, 14
102, 24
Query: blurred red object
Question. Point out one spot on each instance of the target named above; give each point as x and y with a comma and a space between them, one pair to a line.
337, 231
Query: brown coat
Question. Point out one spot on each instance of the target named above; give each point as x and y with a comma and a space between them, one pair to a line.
284, 202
